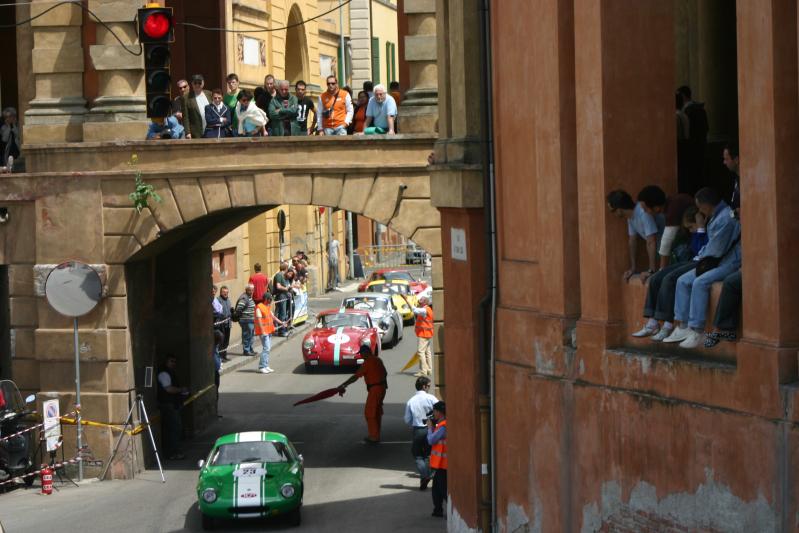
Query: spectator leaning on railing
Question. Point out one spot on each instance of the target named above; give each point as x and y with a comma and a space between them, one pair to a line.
252, 119
380, 113
283, 112
194, 107
335, 109
720, 257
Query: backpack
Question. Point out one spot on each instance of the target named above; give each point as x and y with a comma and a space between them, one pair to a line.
235, 314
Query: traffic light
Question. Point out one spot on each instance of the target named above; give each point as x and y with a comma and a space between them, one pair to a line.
156, 31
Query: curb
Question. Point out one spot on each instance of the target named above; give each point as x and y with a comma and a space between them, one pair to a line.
238, 361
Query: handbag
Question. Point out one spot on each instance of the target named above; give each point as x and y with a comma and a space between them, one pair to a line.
708, 263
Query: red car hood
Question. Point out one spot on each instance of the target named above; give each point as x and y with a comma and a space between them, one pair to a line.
351, 338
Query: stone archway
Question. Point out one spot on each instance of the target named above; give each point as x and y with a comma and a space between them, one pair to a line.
296, 48
61, 211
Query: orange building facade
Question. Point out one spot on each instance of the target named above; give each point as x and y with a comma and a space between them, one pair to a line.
592, 431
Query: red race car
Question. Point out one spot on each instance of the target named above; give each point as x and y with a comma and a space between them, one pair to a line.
389, 274
337, 339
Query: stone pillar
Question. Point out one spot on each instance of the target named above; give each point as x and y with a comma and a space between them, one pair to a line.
361, 43
769, 107
613, 150
118, 113
57, 111
419, 109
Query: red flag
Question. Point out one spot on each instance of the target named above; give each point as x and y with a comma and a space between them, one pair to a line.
322, 395
321, 210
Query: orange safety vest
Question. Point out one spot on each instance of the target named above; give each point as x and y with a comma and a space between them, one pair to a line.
424, 324
438, 453
265, 324
338, 113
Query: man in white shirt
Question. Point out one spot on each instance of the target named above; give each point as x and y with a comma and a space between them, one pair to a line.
416, 414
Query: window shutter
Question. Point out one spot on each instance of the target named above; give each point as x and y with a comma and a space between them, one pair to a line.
393, 58
376, 60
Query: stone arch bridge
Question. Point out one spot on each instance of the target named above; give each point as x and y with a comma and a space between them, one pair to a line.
156, 264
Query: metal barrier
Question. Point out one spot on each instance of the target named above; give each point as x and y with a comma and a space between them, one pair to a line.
392, 255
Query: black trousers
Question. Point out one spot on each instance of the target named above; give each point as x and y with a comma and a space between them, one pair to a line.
439, 489
661, 289
223, 347
171, 430
728, 312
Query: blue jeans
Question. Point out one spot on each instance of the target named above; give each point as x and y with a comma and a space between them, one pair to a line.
339, 130
247, 333
693, 294
266, 342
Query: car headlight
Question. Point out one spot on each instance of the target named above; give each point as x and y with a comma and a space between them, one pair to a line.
385, 323
367, 341
287, 490
209, 495
307, 344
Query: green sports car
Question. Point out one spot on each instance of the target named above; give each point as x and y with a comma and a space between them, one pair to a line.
249, 475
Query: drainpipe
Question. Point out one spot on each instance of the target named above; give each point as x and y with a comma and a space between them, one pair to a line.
488, 305
350, 245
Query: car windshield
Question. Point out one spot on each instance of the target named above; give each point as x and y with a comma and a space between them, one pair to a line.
400, 274
392, 288
251, 452
344, 320
366, 304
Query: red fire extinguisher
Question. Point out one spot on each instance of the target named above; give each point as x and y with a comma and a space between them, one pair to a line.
47, 479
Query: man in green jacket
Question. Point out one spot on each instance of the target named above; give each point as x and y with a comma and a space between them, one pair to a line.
282, 112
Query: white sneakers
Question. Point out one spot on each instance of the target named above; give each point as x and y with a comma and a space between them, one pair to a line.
266, 370
693, 340
646, 332
662, 334
678, 335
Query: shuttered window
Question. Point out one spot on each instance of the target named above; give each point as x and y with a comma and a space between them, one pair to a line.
391, 62
376, 60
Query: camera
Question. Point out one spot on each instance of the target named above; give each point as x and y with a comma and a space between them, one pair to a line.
326, 113
166, 133
431, 416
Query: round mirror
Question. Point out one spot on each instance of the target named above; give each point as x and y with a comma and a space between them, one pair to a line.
30, 399
73, 288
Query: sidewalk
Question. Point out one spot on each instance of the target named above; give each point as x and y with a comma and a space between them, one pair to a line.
237, 360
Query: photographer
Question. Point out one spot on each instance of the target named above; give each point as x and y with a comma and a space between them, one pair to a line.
169, 129
170, 400
418, 411
437, 438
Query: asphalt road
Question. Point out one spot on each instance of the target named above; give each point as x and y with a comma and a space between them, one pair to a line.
350, 486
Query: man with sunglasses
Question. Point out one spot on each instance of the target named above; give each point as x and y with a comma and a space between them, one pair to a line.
194, 104
335, 109
177, 102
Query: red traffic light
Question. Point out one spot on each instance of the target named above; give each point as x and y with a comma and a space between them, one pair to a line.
156, 25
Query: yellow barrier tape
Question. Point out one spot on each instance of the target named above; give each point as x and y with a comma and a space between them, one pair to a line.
141, 427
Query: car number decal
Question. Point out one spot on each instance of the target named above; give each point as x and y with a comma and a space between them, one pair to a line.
337, 340
248, 484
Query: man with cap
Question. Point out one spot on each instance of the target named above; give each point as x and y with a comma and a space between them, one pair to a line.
437, 439
417, 412
374, 373
194, 107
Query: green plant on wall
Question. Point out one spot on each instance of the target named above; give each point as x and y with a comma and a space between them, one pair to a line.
143, 190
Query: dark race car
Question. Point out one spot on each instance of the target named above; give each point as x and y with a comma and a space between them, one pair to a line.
337, 339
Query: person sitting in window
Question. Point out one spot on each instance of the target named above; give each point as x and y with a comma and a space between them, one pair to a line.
640, 224
720, 257
662, 285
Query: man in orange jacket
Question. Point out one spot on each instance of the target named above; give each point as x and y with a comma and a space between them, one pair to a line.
374, 373
437, 439
424, 332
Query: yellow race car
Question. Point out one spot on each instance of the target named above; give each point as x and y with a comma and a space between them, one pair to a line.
401, 295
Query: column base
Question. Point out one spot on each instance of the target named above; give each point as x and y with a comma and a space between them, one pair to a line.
55, 120
115, 118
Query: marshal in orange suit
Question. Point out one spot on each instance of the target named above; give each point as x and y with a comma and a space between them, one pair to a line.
374, 374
